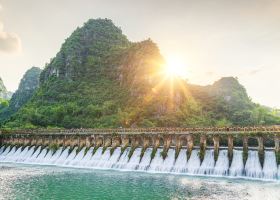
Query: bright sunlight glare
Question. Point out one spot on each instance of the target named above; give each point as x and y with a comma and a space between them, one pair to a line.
175, 67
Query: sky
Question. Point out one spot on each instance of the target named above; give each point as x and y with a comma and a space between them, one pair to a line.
216, 38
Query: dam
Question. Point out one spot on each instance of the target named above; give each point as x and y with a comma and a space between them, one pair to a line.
251, 152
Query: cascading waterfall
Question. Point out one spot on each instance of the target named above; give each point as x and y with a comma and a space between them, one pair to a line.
119, 159
270, 165
122, 160
157, 162
134, 160
71, 156
33, 156
62, 157
237, 166
279, 172
193, 164
169, 161
104, 159
207, 166
146, 160
253, 167
222, 164
13, 155
26, 153
4, 152
2, 149
180, 165
113, 159
87, 156
79, 156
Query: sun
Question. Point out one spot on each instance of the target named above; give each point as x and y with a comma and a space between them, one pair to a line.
175, 67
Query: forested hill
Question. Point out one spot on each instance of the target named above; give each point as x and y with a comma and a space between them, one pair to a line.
4, 96
4, 93
28, 85
101, 79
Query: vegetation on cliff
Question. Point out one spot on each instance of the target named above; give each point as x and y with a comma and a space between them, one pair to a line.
28, 85
101, 79
4, 93
4, 96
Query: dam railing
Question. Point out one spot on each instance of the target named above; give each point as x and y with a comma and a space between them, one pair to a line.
133, 131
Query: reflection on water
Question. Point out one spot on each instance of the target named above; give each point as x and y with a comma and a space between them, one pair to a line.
39, 182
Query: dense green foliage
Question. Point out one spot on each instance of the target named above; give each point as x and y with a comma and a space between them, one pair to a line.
28, 85
100, 79
4, 94
4, 97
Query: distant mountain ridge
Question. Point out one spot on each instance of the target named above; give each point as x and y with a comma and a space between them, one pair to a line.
4, 93
28, 85
101, 79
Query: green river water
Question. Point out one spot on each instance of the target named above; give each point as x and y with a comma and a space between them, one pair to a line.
45, 182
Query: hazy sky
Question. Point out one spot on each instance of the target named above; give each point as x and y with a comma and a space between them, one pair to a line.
214, 37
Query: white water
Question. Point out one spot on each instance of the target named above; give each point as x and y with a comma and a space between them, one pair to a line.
4, 152
2, 149
26, 153
116, 160
122, 160
208, 164
134, 160
270, 165
253, 167
87, 156
113, 159
70, 156
237, 166
104, 159
146, 160
193, 164
222, 164
157, 162
62, 157
13, 155
180, 165
77, 159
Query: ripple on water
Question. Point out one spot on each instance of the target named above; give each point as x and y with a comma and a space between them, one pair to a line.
33, 182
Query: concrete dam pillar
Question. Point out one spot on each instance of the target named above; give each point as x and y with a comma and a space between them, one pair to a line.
230, 148
107, 142
167, 142
277, 146
261, 149
125, 141
156, 142
190, 145
116, 142
216, 140
203, 143
245, 149
277, 149
146, 142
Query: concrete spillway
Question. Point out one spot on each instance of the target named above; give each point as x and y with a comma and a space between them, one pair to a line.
230, 152
119, 159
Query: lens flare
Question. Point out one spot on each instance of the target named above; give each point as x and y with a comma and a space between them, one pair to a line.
175, 67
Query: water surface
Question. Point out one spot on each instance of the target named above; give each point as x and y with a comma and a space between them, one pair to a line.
42, 182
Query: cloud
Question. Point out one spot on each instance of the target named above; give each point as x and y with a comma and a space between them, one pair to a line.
210, 73
259, 70
9, 42
255, 71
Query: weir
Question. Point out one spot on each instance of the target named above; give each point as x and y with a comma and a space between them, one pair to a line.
237, 152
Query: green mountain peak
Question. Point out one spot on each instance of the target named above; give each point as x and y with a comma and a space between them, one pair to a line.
101, 79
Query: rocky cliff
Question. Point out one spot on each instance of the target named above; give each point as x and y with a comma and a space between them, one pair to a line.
4, 94
28, 84
101, 79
